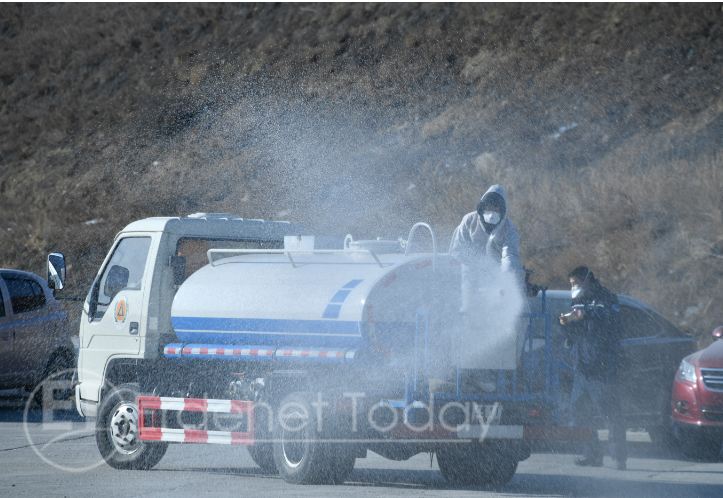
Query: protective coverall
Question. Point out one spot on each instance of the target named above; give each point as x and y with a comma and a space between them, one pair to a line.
480, 245
473, 240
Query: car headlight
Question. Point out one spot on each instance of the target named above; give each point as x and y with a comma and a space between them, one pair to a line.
686, 371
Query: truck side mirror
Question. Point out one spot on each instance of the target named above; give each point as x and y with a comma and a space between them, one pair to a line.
56, 270
117, 280
718, 332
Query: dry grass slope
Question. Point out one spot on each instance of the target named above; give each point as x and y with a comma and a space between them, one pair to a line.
604, 122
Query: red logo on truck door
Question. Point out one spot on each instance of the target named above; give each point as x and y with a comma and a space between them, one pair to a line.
121, 310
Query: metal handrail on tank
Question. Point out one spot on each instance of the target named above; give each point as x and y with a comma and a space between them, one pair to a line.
289, 254
412, 231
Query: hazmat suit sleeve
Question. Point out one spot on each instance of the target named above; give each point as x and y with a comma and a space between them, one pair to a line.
462, 246
510, 253
464, 250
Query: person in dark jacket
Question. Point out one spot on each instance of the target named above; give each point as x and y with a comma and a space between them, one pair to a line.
594, 330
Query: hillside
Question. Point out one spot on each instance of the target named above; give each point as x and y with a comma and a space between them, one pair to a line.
603, 121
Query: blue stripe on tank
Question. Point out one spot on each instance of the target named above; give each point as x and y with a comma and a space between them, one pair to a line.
333, 309
340, 296
268, 332
352, 283
265, 325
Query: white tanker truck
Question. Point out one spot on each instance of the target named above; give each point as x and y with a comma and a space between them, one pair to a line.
220, 330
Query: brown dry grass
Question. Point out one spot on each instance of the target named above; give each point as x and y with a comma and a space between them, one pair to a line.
368, 117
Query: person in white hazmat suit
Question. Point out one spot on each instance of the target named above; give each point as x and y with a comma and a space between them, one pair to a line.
486, 232
487, 245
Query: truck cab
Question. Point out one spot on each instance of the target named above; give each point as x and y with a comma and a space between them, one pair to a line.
127, 310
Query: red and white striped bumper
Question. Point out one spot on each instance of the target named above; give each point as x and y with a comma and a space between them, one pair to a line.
156, 404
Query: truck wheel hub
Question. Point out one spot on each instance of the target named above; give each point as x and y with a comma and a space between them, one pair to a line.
124, 428
294, 438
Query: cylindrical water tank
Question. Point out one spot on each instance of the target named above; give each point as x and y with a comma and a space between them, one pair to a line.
352, 300
312, 299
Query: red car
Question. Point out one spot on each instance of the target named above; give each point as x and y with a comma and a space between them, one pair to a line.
697, 400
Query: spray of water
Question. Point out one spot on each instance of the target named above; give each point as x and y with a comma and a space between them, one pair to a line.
491, 337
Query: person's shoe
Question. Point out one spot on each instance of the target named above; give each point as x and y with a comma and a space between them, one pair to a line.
588, 461
621, 465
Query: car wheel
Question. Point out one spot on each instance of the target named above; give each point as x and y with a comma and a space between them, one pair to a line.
60, 368
116, 433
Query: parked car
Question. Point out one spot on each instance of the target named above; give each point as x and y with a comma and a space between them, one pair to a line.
697, 400
35, 336
653, 348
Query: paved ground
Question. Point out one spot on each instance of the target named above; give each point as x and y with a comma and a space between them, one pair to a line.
191, 470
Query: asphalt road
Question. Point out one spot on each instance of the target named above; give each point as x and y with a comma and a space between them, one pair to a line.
63, 461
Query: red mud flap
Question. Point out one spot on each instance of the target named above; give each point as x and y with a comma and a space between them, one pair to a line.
150, 407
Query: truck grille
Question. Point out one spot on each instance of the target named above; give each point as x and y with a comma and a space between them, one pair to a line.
712, 378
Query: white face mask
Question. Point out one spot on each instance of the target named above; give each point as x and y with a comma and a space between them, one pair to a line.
576, 290
491, 217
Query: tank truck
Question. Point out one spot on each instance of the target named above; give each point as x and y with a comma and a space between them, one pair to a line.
213, 329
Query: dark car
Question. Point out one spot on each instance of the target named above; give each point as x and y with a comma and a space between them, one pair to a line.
653, 348
35, 336
697, 400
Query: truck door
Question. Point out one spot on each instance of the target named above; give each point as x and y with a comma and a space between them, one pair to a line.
114, 311
6, 337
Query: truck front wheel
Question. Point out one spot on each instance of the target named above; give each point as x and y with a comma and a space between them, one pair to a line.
474, 464
116, 432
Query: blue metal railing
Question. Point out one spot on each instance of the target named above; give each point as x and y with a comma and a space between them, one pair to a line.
515, 385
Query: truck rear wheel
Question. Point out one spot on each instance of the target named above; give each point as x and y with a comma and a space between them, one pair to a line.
263, 455
473, 464
262, 452
300, 453
116, 432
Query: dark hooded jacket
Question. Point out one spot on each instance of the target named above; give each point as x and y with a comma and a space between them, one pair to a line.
596, 338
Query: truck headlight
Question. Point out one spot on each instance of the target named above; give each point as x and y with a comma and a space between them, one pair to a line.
686, 371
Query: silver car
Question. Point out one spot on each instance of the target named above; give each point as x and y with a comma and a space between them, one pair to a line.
35, 336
